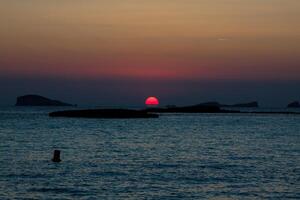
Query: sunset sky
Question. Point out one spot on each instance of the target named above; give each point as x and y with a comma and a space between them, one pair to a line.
134, 48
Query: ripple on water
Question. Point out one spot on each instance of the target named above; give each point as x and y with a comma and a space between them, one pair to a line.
173, 157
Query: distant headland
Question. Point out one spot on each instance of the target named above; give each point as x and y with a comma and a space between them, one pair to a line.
214, 107
253, 104
37, 100
200, 108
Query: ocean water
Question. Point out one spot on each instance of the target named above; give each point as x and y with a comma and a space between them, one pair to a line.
190, 156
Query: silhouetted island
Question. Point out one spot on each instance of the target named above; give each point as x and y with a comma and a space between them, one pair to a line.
253, 104
200, 108
37, 100
126, 113
104, 113
208, 108
294, 104
150, 112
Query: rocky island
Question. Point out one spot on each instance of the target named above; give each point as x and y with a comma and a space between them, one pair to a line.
209, 108
127, 113
191, 109
37, 100
253, 104
104, 113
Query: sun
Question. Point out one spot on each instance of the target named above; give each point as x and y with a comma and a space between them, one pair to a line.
152, 101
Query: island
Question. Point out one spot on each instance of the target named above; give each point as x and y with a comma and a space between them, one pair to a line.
253, 104
104, 113
128, 113
153, 112
294, 104
37, 100
209, 108
200, 108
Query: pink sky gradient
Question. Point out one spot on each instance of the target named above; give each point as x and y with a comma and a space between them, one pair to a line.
157, 40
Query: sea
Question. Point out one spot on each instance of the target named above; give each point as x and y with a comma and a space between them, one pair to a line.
176, 156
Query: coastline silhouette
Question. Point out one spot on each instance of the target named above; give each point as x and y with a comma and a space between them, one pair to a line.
37, 100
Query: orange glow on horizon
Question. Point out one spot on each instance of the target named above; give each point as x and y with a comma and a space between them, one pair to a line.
247, 39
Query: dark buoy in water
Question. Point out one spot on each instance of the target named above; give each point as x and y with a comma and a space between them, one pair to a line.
56, 156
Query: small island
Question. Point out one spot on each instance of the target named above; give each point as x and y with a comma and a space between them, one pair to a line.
37, 100
127, 113
209, 108
253, 104
200, 108
104, 113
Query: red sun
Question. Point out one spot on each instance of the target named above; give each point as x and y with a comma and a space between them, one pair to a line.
151, 101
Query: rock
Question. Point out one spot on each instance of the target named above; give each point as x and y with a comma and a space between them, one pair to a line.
294, 104
36, 100
104, 113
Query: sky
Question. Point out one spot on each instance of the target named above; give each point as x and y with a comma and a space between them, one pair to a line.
121, 51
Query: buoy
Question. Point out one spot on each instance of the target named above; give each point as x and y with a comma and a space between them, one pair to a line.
56, 156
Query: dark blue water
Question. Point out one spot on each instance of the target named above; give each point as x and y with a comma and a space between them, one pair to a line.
193, 156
